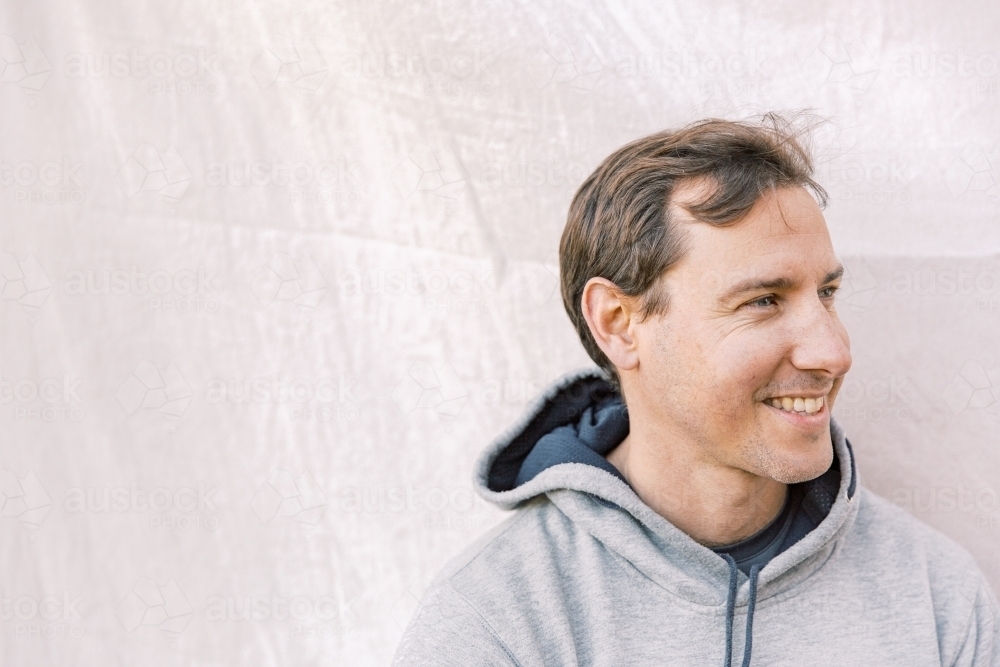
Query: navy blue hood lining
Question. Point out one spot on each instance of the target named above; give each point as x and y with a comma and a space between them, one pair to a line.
573, 400
602, 427
562, 432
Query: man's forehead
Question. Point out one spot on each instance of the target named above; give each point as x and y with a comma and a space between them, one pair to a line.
765, 222
729, 276
776, 263
736, 282
788, 221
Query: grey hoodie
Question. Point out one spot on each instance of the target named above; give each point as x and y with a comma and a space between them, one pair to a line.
585, 573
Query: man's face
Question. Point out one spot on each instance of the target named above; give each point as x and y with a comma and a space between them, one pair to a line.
715, 361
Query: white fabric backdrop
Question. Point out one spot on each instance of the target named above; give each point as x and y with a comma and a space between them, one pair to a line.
273, 275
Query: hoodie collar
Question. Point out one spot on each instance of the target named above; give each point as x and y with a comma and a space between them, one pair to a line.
604, 505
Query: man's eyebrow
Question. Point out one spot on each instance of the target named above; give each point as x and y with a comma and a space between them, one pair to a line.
836, 274
782, 283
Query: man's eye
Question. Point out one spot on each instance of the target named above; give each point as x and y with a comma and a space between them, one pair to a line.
831, 291
762, 302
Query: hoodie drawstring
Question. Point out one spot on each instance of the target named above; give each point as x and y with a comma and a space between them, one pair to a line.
731, 611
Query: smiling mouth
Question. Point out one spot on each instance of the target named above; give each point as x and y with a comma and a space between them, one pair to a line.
798, 404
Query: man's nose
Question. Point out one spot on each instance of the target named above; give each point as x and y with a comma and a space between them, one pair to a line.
820, 340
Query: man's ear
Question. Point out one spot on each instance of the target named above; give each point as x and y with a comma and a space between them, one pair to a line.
610, 315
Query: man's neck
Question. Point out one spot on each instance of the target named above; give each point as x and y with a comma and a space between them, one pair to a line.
716, 505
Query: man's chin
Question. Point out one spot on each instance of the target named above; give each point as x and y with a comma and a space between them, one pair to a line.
794, 462
802, 465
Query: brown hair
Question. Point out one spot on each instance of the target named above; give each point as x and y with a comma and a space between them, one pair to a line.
619, 227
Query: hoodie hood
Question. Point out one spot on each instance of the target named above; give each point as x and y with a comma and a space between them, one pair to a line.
557, 450
579, 419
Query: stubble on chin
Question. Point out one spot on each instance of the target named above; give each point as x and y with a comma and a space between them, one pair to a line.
766, 460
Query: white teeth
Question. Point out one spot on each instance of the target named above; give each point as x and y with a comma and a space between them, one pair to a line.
791, 404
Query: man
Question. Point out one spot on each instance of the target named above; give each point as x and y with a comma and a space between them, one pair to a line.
692, 501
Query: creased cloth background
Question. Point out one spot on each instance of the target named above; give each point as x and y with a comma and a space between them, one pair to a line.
273, 275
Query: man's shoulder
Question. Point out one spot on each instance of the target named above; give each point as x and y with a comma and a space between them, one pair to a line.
522, 546
450, 626
897, 544
902, 551
467, 603
891, 523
